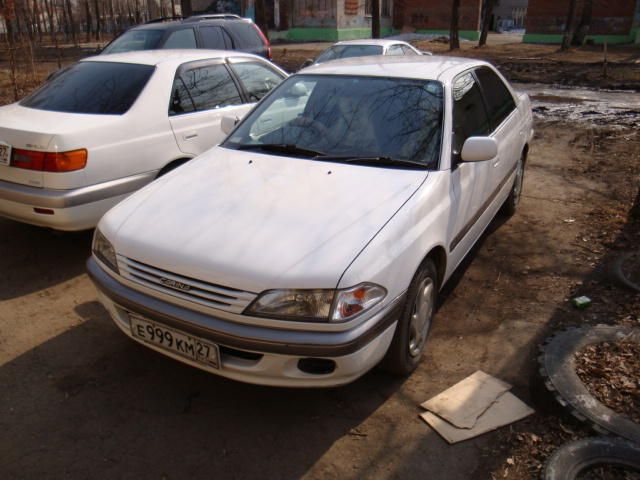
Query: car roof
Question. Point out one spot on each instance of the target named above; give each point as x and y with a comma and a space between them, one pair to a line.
155, 57
436, 67
372, 41
188, 22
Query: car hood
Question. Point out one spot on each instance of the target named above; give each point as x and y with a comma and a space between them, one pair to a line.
254, 222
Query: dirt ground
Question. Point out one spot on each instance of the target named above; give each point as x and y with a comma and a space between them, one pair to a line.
80, 400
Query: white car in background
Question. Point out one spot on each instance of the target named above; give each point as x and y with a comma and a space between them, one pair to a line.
308, 247
363, 48
108, 125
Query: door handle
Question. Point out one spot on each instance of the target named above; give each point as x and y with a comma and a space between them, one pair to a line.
190, 135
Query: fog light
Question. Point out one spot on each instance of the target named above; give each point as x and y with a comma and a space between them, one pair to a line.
316, 366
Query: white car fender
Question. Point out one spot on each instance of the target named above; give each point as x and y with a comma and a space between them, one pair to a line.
393, 256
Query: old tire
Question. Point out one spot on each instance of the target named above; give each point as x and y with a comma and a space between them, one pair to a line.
413, 327
511, 203
557, 367
618, 275
575, 457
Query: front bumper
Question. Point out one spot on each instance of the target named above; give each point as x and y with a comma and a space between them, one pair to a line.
74, 209
274, 353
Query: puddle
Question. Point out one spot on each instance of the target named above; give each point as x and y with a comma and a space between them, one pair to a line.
585, 106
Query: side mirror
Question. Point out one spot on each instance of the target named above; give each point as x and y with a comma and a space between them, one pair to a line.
307, 63
227, 124
298, 90
479, 149
424, 52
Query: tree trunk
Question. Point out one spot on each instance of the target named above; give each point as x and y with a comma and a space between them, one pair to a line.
585, 23
36, 15
454, 38
261, 17
72, 23
568, 29
375, 18
96, 7
185, 6
173, 8
487, 8
88, 20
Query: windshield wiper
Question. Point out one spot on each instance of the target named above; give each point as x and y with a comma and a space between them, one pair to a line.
381, 161
281, 148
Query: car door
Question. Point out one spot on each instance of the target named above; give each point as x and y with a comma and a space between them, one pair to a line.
470, 181
504, 118
203, 93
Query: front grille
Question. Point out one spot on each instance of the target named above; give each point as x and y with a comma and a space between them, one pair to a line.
197, 291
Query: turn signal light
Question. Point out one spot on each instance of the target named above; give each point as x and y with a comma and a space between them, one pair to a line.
49, 161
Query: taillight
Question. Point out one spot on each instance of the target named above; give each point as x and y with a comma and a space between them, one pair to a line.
49, 161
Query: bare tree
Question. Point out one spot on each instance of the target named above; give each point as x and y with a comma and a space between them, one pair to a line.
454, 33
568, 28
72, 23
487, 9
261, 17
375, 18
186, 8
585, 23
96, 7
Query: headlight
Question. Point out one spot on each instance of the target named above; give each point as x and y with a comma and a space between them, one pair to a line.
317, 305
103, 249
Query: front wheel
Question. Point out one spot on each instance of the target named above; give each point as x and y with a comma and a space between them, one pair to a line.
413, 327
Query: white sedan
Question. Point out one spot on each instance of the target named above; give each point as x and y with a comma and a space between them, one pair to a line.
310, 246
108, 125
363, 48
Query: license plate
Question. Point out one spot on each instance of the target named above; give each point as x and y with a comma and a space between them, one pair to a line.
5, 153
185, 345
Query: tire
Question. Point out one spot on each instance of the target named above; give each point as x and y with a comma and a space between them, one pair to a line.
617, 274
575, 457
414, 324
557, 367
511, 203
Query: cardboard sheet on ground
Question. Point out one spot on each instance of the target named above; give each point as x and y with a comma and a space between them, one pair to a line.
462, 404
506, 409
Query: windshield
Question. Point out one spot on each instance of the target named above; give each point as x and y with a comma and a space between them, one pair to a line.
92, 87
135, 40
347, 51
347, 117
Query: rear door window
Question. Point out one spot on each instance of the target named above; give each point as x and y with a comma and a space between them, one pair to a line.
469, 113
408, 50
201, 88
105, 88
257, 79
213, 37
499, 99
184, 38
395, 50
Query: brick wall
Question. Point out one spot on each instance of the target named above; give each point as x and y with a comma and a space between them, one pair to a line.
435, 14
610, 17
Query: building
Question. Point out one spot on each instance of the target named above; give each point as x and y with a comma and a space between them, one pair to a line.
509, 13
616, 21
434, 16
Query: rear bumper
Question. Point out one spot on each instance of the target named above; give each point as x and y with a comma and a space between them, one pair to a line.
75, 209
354, 351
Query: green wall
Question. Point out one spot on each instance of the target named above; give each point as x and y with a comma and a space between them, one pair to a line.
557, 38
330, 34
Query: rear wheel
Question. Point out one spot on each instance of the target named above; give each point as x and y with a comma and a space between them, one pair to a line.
511, 203
413, 327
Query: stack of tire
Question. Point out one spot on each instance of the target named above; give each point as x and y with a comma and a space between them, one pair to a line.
619, 444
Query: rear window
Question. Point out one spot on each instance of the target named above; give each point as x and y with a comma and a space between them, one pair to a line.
246, 35
135, 40
105, 88
348, 51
